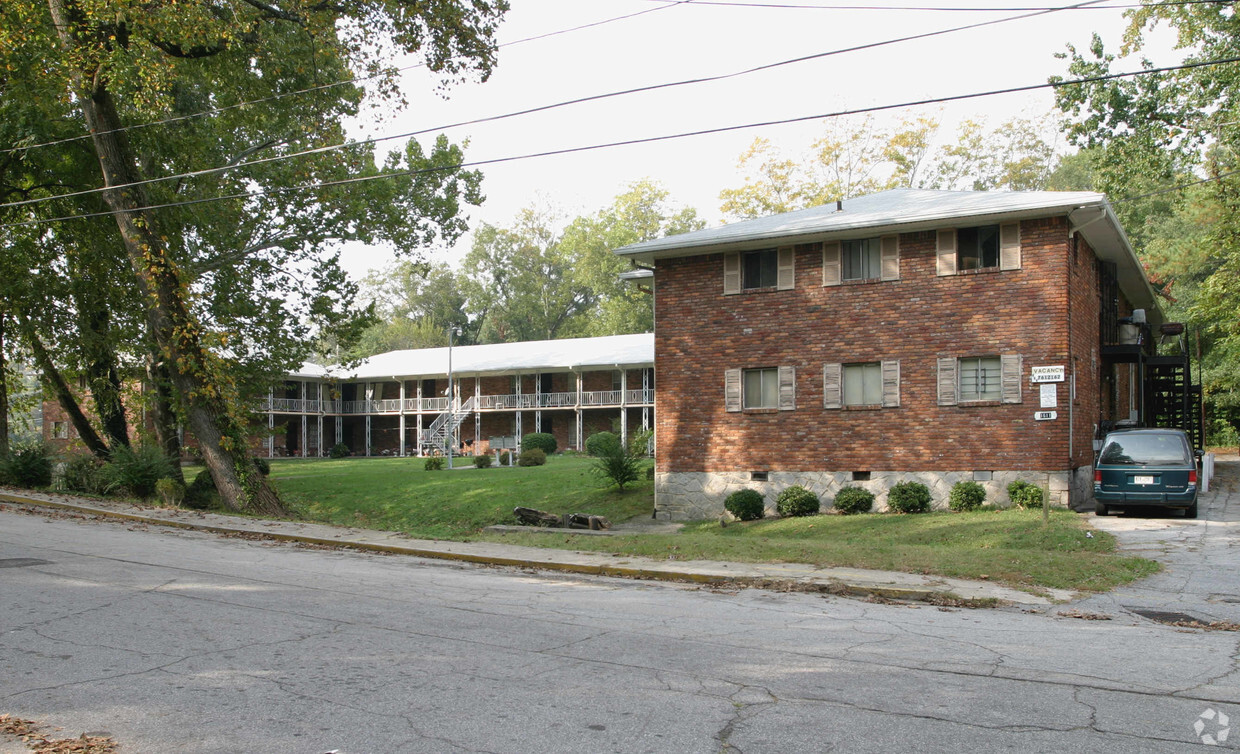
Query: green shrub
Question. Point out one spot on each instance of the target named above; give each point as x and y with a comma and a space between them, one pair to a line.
264, 466
27, 465
201, 493
136, 470
532, 457
966, 496
600, 443
851, 500
747, 505
1221, 433
1025, 494
482, 461
909, 497
797, 501
170, 491
618, 466
433, 463
505, 458
82, 473
539, 441
339, 450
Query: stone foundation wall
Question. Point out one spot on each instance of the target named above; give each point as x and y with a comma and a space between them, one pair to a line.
688, 495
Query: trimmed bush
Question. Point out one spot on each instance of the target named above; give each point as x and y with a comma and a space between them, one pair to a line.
339, 450
170, 491
600, 443
136, 470
850, 500
28, 465
82, 474
797, 501
264, 466
539, 441
201, 493
532, 457
1025, 494
433, 463
966, 496
747, 505
909, 497
505, 458
482, 461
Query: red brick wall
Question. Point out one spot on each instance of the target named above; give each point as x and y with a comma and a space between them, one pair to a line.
700, 333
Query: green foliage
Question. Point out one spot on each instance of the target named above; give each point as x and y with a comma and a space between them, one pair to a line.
482, 461
851, 500
263, 466
797, 501
340, 450
136, 470
909, 497
540, 440
1025, 494
201, 493
27, 465
966, 496
83, 473
618, 465
602, 443
505, 458
170, 491
433, 463
747, 505
1221, 433
532, 457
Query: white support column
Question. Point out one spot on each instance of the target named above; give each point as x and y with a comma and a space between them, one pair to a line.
305, 430
370, 392
402, 419
319, 418
645, 403
538, 402
624, 407
477, 414
419, 421
518, 424
271, 422
581, 441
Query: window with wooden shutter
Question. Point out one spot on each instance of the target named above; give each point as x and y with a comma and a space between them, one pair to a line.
732, 390
787, 389
891, 384
1009, 246
731, 274
947, 386
1011, 369
832, 393
831, 263
890, 257
945, 249
786, 279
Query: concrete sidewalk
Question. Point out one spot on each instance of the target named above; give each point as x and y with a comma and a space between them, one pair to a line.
793, 576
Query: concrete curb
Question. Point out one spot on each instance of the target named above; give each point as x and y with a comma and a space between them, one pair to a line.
655, 571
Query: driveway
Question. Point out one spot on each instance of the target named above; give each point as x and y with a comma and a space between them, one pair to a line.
1201, 557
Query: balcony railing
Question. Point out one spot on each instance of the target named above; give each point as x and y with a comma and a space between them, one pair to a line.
511, 402
639, 396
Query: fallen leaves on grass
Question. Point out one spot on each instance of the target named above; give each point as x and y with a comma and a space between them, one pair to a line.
28, 732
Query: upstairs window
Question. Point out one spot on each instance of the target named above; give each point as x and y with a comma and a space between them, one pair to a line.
977, 248
764, 269
982, 247
759, 269
859, 260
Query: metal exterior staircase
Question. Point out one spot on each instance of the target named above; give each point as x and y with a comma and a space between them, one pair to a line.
1171, 400
439, 435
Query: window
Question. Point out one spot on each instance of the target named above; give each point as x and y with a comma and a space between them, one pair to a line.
859, 260
875, 383
759, 269
616, 379
863, 384
60, 430
984, 247
761, 388
980, 379
977, 248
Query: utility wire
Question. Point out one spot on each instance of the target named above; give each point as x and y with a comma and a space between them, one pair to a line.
1178, 187
631, 142
358, 79
948, 9
543, 108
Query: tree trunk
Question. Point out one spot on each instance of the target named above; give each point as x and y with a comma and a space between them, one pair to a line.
4, 392
221, 437
101, 372
55, 382
163, 416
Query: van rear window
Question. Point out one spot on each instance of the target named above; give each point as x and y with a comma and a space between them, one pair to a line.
1142, 449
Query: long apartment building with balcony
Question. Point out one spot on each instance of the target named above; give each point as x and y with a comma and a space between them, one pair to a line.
423, 401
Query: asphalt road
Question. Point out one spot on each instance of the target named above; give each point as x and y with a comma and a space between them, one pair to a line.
174, 641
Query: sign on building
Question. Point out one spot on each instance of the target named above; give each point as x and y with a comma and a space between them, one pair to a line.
1047, 374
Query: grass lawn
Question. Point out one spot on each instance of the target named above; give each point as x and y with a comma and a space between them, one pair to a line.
397, 494
1007, 546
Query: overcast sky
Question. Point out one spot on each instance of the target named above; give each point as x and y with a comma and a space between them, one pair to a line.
677, 41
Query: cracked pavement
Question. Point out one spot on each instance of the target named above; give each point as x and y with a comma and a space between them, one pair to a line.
182, 641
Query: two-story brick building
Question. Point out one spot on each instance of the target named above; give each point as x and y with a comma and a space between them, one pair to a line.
935, 336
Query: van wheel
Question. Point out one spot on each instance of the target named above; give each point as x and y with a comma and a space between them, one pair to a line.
1100, 509
1191, 511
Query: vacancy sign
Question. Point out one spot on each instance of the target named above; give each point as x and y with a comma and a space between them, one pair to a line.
1047, 374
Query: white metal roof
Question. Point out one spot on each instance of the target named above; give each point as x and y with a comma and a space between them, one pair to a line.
509, 358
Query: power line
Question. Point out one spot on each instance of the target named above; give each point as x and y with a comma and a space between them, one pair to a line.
543, 108
959, 9
354, 80
632, 142
1178, 187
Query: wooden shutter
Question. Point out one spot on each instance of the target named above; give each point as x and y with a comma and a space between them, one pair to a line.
890, 256
1009, 369
832, 379
786, 278
949, 389
945, 249
1009, 246
831, 263
731, 274
787, 388
732, 390
891, 384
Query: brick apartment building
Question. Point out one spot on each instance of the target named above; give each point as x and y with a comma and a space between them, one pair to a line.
919, 335
397, 404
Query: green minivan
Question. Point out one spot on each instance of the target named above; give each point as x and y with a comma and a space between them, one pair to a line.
1144, 468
